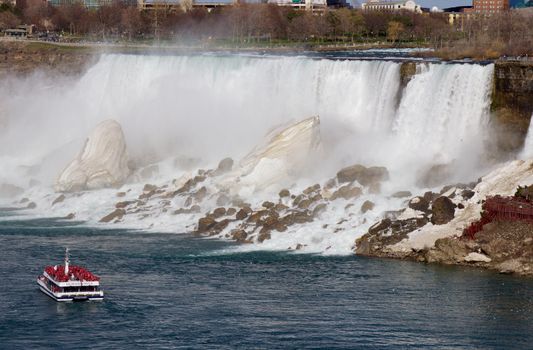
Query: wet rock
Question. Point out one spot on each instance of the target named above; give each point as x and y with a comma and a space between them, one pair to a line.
367, 206
146, 195
402, 194
331, 183
365, 176
284, 193
149, 188
467, 194
312, 189
296, 217
243, 213
24, 200
31, 205
116, 214
297, 200
420, 204
219, 226
188, 202
231, 211
347, 192
205, 224
460, 206
200, 194
69, 216
10, 191
122, 205
239, 235
268, 204
374, 188
263, 237
319, 209
59, 199
442, 210
280, 207
218, 212
224, 166
121, 194
192, 210
304, 204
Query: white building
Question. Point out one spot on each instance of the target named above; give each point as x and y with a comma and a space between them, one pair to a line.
384, 5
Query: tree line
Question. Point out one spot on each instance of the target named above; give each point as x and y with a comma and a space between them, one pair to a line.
509, 33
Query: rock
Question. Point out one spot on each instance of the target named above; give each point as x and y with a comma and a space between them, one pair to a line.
218, 212
188, 202
402, 194
116, 214
59, 199
243, 213
224, 166
149, 188
365, 176
280, 207
122, 205
347, 192
420, 204
102, 163
284, 193
304, 204
200, 194
477, 257
24, 200
319, 209
367, 206
297, 200
10, 191
268, 204
374, 188
447, 251
239, 235
380, 226
312, 189
460, 206
442, 210
31, 205
121, 194
69, 216
263, 237
192, 210
205, 224
467, 194
231, 211
293, 146
222, 200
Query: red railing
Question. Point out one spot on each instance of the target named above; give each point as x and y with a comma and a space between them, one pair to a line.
79, 273
499, 208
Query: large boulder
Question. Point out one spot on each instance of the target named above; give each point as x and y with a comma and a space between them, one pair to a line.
443, 211
365, 176
103, 161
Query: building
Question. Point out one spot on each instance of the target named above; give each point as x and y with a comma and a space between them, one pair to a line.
90, 4
385, 5
489, 6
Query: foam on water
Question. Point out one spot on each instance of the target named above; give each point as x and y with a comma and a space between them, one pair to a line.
207, 108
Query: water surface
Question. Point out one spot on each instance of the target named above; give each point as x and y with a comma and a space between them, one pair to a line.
177, 291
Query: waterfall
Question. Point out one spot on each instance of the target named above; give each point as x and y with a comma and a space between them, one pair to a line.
210, 107
527, 152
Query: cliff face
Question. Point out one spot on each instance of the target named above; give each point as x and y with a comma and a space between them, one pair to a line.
20, 57
512, 104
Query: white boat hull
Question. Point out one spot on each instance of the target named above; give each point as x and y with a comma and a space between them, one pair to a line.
75, 296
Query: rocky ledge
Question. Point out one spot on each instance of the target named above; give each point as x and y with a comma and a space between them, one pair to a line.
502, 238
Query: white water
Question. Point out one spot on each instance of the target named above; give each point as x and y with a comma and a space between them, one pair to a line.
527, 152
212, 107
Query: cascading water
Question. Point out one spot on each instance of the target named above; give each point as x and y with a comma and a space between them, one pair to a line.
527, 152
212, 107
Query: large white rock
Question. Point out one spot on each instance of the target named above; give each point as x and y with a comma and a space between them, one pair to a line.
292, 144
103, 161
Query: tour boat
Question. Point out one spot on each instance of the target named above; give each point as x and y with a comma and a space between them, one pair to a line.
70, 283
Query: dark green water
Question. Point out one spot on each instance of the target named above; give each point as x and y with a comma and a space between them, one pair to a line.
174, 291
